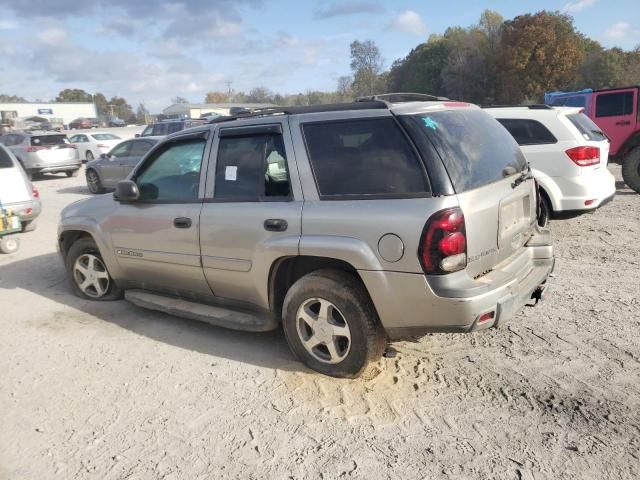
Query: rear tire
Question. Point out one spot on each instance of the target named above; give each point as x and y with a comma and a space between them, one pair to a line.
348, 334
631, 169
84, 256
72, 173
88, 156
93, 182
544, 209
9, 244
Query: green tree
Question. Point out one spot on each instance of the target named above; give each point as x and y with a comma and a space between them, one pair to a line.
119, 107
73, 95
366, 66
102, 105
11, 98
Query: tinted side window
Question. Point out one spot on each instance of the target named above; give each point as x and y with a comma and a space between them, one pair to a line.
174, 127
139, 148
160, 129
174, 173
147, 131
363, 157
5, 159
121, 150
528, 132
251, 168
614, 104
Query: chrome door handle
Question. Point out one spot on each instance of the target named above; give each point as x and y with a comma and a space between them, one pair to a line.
182, 222
275, 225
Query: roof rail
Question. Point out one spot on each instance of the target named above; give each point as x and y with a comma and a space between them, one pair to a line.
533, 106
401, 98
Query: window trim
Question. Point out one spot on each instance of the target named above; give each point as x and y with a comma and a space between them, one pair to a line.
367, 196
248, 131
528, 120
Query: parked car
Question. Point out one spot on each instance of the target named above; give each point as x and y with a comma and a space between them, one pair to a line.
106, 171
117, 122
43, 152
568, 155
81, 123
91, 145
615, 112
350, 224
95, 123
19, 201
168, 127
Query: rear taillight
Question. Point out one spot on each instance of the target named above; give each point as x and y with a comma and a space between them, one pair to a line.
35, 192
443, 246
100, 145
584, 156
32, 148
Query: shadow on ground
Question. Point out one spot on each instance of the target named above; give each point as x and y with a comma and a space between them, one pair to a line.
77, 190
44, 275
623, 189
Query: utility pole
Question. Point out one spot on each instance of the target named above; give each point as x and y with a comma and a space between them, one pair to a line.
228, 83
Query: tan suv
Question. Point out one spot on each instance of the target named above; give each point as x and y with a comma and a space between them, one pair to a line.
349, 224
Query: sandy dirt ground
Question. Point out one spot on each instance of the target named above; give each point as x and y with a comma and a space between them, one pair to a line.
110, 391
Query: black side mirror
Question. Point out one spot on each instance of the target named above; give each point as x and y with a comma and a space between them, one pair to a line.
126, 191
137, 135
104, 156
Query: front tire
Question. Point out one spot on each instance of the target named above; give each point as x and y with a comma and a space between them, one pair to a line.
9, 244
93, 182
544, 210
88, 273
331, 324
631, 169
88, 156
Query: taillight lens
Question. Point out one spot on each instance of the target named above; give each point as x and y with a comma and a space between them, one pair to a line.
101, 145
35, 192
443, 247
584, 156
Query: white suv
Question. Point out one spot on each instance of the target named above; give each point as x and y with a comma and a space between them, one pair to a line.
567, 153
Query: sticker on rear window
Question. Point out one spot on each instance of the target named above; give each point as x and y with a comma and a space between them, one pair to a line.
430, 123
231, 174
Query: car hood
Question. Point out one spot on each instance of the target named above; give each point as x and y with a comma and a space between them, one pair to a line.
90, 210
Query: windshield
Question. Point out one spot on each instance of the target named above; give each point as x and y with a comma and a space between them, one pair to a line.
475, 149
105, 136
586, 127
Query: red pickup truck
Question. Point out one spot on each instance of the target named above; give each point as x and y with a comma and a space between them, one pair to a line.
616, 112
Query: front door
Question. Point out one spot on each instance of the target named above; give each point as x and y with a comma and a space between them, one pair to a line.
253, 214
111, 168
156, 238
616, 113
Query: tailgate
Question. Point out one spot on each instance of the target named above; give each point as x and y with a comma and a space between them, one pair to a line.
499, 220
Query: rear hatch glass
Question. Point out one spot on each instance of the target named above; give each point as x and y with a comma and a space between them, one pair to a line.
5, 159
589, 130
50, 141
475, 149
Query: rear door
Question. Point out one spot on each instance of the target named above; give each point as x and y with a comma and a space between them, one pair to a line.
490, 176
252, 215
616, 113
111, 168
139, 148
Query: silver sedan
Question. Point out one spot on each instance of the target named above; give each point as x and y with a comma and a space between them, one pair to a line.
105, 172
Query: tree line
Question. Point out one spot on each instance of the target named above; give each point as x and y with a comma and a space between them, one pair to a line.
496, 61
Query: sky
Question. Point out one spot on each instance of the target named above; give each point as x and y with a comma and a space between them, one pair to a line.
150, 51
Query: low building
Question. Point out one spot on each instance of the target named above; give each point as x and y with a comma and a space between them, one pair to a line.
64, 112
197, 110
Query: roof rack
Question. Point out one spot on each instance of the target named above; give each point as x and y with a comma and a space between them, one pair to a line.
402, 97
533, 106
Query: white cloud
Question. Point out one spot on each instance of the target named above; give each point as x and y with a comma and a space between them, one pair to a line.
53, 36
620, 31
7, 25
409, 22
575, 7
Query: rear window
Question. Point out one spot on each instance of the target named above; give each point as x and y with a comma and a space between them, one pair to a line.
105, 136
528, 132
586, 127
5, 159
363, 157
45, 140
614, 104
475, 149
174, 127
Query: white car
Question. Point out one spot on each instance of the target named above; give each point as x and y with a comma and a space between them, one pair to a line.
19, 201
568, 155
91, 145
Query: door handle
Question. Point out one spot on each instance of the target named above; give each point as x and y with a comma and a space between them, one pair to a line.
182, 222
624, 122
275, 225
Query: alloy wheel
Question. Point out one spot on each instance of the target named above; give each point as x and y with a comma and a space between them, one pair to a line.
323, 330
91, 276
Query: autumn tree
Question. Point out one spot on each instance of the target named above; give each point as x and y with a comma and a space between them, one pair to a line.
540, 52
216, 97
366, 66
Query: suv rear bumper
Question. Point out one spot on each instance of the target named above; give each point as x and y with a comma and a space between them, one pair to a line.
575, 191
21, 209
410, 305
56, 167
